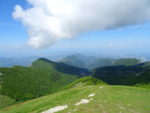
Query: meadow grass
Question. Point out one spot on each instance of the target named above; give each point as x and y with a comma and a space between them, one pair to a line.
6, 101
108, 99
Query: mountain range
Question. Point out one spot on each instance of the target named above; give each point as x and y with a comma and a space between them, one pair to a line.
95, 62
67, 84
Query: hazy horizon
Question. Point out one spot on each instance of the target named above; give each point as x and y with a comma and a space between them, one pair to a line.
116, 32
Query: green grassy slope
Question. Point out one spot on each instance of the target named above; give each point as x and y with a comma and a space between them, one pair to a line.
84, 81
108, 99
6, 101
143, 85
24, 83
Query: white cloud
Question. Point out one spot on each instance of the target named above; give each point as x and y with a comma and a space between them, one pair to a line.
49, 21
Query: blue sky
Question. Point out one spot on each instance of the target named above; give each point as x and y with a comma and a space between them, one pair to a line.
121, 41
11, 32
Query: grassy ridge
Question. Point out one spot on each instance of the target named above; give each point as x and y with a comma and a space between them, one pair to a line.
85, 81
111, 99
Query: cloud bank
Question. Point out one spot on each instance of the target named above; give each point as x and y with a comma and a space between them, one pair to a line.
49, 21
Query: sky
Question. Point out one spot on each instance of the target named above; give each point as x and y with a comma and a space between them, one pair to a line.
45, 27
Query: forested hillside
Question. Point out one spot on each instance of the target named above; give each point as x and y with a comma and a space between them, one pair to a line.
46, 64
124, 75
41, 78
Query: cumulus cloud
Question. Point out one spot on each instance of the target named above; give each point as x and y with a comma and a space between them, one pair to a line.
49, 21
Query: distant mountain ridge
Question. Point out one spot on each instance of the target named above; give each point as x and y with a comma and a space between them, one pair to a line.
95, 62
62, 67
77, 60
23, 61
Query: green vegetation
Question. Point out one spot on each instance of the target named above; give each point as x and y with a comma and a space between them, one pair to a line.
143, 85
45, 77
85, 81
24, 83
47, 65
6, 101
145, 65
126, 61
123, 75
108, 99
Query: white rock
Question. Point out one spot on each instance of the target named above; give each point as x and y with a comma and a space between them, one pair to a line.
56, 109
83, 101
92, 95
